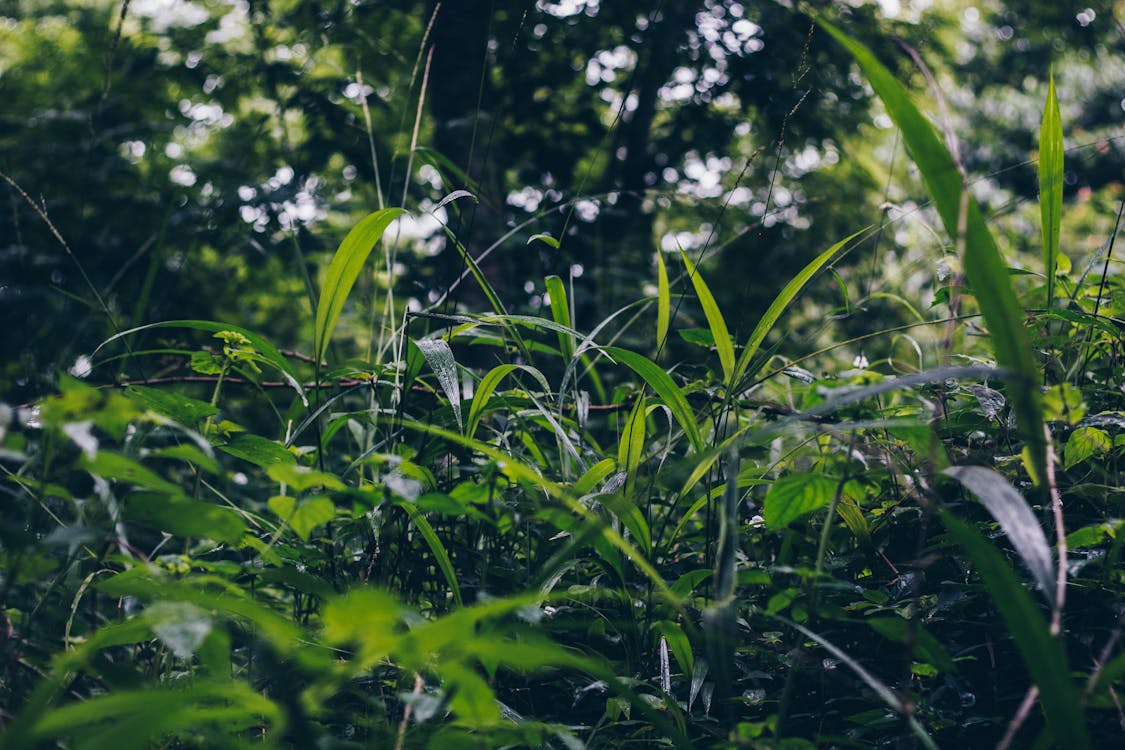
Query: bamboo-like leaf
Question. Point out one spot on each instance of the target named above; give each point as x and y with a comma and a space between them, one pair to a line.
344, 270
1007, 506
663, 302
1042, 654
632, 445
487, 387
440, 358
441, 555
781, 302
984, 267
1051, 184
560, 311
714, 316
665, 387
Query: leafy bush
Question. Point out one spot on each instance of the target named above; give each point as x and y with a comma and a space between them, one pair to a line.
585, 544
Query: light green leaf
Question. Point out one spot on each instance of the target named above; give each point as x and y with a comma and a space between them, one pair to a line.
436, 547
714, 317
632, 445
665, 387
487, 387
781, 302
344, 270
184, 410
301, 478
663, 302
1064, 403
1084, 443
183, 517
305, 517
258, 451
560, 311
1051, 155
984, 268
796, 495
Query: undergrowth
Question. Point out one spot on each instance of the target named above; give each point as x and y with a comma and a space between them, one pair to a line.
586, 543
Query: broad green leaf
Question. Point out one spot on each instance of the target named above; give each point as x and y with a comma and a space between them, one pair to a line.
1042, 654
1084, 443
305, 516
301, 478
665, 387
184, 410
594, 476
189, 453
472, 699
184, 517
1064, 403
780, 303
985, 269
560, 311
714, 317
124, 469
663, 302
796, 495
344, 270
365, 616
679, 644
440, 358
258, 451
436, 547
1051, 155
1011, 511
182, 626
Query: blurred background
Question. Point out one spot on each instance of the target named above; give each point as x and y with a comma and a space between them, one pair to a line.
204, 158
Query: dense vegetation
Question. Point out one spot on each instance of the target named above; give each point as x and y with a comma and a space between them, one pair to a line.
684, 456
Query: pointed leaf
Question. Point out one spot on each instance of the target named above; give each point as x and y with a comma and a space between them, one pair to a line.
344, 270
714, 317
1007, 506
440, 358
1051, 156
796, 495
665, 387
663, 302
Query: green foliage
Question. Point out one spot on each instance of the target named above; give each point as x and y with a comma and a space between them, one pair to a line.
512, 528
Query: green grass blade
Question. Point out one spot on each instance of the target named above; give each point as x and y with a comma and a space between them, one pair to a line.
1051, 184
440, 358
985, 269
487, 387
344, 270
663, 302
1043, 655
441, 555
714, 316
560, 311
781, 302
1016, 519
665, 387
632, 445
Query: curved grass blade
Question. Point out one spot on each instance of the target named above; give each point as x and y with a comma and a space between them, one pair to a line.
663, 303
715, 320
440, 358
487, 387
984, 267
632, 445
560, 311
441, 555
780, 303
1042, 654
1051, 184
1007, 506
665, 387
344, 270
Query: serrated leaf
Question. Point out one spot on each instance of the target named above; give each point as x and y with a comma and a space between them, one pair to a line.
1011, 511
